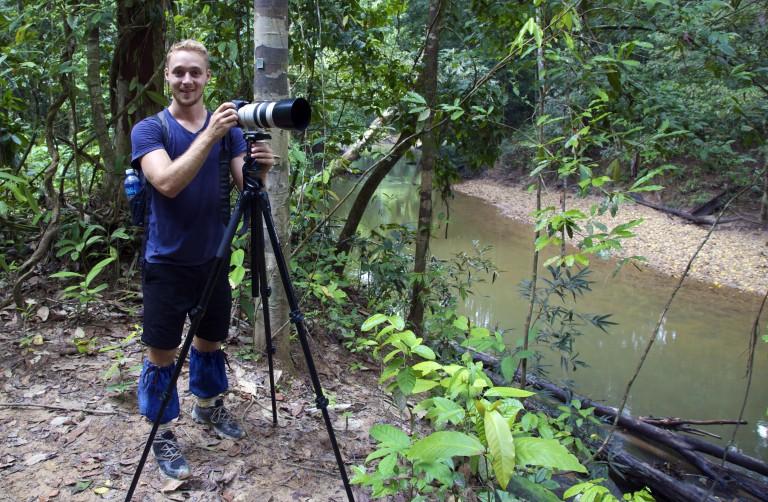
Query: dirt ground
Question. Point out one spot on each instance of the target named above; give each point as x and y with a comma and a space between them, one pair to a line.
65, 436
736, 256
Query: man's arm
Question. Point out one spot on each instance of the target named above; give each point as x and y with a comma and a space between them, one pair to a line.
171, 177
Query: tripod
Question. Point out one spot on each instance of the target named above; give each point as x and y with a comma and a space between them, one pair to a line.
253, 204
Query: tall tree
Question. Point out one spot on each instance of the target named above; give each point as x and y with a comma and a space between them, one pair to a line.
429, 151
270, 83
98, 113
136, 73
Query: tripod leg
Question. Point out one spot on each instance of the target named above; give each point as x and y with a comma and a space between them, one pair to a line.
262, 200
196, 315
259, 280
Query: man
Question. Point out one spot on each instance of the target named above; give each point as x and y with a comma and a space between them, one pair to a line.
183, 232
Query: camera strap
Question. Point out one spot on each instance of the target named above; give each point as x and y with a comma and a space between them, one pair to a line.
225, 185
225, 157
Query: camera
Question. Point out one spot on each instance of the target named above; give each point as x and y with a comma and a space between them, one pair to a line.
284, 114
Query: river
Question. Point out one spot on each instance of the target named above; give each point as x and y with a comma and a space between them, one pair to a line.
696, 369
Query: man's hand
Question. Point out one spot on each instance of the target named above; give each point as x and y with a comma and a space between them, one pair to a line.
263, 156
222, 120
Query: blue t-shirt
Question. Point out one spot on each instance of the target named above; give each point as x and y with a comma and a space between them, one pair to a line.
186, 229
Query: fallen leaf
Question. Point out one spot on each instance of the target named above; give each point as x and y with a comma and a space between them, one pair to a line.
7, 461
77, 431
53, 494
43, 313
172, 485
81, 486
57, 421
234, 450
101, 490
38, 457
38, 339
130, 461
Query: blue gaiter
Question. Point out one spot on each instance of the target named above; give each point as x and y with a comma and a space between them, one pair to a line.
207, 374
152, 384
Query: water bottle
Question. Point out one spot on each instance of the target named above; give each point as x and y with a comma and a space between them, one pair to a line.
132, 183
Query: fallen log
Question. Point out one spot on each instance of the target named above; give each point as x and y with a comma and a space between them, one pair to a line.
672, 423
683, 446
714, 204
725, 477
699, 220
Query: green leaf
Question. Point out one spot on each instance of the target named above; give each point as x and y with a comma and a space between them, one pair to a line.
444, 411
406, 380
414, 97
427, 367
443, 445
64, 274
397, 322
96, 270
81, 486
501, 447
390, 436
387, 464
525, 489
461, 323
424, 351
236, 277
546, 453
508, 366
373, 321
423, 385
157, 97
237, 257
508, 392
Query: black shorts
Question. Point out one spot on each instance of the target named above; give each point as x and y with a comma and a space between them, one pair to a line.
171, 292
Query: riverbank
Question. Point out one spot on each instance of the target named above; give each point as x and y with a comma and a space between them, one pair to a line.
735, 257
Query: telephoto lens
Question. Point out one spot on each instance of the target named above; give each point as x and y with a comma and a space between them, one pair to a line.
283, 114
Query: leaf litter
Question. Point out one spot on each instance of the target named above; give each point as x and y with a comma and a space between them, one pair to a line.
65, 434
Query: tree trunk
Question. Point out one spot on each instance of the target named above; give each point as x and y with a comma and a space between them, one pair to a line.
140, 55
270, 83
353, 152
764, 201
429, 150
535, 265
378, 173
112, 179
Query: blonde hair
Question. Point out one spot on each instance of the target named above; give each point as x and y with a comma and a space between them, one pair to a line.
188, 45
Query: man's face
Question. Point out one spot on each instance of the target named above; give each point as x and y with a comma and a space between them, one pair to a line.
187, 74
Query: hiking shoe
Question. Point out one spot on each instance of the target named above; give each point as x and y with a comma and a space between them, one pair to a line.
169, 457
223, 422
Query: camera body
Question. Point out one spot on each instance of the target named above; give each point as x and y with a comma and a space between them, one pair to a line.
284, 114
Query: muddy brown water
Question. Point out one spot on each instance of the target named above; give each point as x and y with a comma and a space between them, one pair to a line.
696, 369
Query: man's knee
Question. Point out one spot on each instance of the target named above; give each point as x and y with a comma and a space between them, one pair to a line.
161, 357
203, 345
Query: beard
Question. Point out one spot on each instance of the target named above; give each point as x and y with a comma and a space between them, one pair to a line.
187, 98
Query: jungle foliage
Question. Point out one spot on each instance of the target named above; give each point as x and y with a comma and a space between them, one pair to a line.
614, 97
